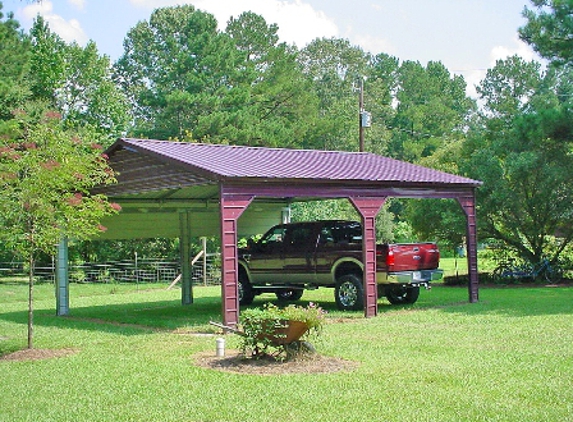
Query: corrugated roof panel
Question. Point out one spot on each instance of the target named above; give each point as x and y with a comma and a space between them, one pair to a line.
224, 161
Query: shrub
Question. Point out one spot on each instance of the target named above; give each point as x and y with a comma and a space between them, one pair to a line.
265, 329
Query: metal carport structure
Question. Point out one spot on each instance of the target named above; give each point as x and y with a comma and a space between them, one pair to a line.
173, 189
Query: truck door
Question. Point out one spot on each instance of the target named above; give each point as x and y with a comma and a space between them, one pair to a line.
299, 254
265, 260
337, 239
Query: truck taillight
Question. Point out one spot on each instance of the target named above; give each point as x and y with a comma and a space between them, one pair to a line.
390, 260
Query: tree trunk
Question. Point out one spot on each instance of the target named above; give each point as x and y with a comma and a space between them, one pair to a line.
31, 303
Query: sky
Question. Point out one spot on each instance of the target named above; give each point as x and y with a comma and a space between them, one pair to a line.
467, 36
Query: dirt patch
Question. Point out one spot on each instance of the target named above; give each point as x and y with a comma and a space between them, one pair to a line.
38, 354
236, 363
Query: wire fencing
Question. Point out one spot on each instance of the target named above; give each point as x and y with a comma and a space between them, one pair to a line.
205, 271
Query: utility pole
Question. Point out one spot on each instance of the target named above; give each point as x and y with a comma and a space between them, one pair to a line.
364, 118
361, 110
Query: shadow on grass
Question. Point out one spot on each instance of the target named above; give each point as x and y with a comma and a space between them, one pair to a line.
129, 318
169, 315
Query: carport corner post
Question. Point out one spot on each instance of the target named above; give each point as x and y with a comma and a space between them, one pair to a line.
185, 256
369, 207
467, 202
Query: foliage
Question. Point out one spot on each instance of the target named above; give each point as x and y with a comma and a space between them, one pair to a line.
342, 209
438, 219
178, 70
187, 80
117, 250
523, 156
240, 86
45, 179
15, 52
549, 29
432, 110
334, 67
264, 327
77, 82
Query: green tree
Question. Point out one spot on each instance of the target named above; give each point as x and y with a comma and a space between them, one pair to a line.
190, 81
507, 90
335, 67
380, 87
45, 178
432, 109
439, 219
549, 29
77, 82
430, 123
181, 73
14, 71
280, 105
525, 160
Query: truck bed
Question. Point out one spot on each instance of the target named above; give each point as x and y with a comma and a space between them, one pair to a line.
409, 256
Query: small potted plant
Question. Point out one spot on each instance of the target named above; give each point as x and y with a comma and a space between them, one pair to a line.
270, 330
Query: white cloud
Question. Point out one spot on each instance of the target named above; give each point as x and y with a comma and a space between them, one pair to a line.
299, 23
373, 45
473, 78
69, 30
78, 4
520, 48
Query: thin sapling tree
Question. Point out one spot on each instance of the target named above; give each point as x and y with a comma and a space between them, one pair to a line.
46, 176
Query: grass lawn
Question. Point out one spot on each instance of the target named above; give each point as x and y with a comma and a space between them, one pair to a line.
507, 358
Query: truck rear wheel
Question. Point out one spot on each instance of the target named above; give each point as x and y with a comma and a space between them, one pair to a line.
349, 293
246, 293
289, 295
399, 295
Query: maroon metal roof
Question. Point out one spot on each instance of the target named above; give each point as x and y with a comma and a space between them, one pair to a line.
236, 162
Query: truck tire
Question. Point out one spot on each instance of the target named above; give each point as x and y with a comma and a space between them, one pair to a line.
246, 293
400, 295
349, 293
289, 295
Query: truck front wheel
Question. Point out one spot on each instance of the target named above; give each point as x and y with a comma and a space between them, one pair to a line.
399, 295
349, 293
246, 294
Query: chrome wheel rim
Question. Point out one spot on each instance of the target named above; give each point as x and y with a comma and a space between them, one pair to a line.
347, 294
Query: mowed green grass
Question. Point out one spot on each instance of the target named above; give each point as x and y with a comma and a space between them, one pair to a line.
507, 358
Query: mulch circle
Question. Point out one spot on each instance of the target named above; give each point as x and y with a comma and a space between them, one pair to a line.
308, 364
38, 354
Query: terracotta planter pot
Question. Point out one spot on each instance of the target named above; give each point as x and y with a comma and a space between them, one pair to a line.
292, 331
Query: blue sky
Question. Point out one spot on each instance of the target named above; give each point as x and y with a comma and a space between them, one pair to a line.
466, 35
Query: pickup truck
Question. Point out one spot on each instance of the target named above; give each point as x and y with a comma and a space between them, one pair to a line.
290, 258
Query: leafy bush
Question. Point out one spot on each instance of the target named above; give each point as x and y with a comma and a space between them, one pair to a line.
265, 329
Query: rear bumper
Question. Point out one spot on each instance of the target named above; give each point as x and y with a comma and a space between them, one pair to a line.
414, 278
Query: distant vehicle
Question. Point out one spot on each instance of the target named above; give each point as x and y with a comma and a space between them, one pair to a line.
290, 258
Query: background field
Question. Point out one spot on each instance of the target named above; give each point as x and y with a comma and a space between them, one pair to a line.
507, 358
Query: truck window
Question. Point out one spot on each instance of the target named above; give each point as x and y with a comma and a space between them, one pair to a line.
274, 236
326, 236
299, 236
347, 232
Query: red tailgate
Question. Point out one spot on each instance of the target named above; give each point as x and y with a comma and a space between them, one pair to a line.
412, 256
